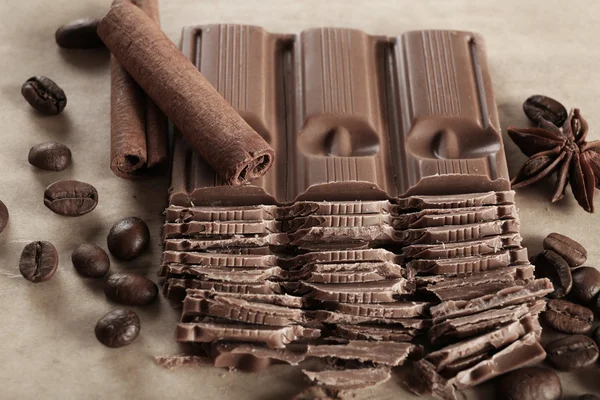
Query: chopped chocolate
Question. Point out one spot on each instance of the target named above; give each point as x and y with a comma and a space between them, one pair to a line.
275, 299
398, 309
370, 292
221, 306
471, 248
274, 337
379, 353
465, 265
179, 360
331, 317
392, 333
510, 296
431, 217
253, 357
349, 379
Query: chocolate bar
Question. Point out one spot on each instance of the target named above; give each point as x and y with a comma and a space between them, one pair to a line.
337, 118
387, 212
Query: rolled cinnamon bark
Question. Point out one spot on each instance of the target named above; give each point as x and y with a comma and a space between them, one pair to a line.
205, 119
138, 127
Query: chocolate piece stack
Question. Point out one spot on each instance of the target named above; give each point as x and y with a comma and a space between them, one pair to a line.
386, 216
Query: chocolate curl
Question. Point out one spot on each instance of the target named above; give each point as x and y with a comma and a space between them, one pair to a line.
205, 119
138, 127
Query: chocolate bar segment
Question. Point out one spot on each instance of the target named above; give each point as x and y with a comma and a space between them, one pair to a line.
352, 116
380, 353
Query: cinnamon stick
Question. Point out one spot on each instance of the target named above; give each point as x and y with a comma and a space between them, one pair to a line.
205, 119
138, 127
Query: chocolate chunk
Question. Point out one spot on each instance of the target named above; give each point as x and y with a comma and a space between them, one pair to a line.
331, 317
238, 275
459, 216
179, 360
240, 310
349, 273
380, 353
398, 309
371, 292
496, 339
472, 248
220, 260
349, 379
471, 325
573, 252
419, 202
254, 357
552, 266
510, 296
394, 333
524, 352
465, 265
275, 299
274, 337
568, 317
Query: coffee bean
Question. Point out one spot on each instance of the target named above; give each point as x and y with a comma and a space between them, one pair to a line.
573, 252
39, 261
44, 95
572, 352
568, 317
128, 238
3, 216
71, 198
538, 106
596, 335
588, 397
118, 328
50, 156
586, 285
530, 383
90, 260
130, 289
550, 265
79, 34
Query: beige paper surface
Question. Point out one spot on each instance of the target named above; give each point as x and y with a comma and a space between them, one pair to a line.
47, 345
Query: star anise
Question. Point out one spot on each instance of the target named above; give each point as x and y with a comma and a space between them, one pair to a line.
561, 150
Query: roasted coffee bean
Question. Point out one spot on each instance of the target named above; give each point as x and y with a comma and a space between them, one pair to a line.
596, 335
118, 328
550, 265
79, 34
44, 95
130, 289
90, 260
586, 285
538, 106
128, 238
50, 156
3, 216
568, 317
573, 252
588, 397
71, 198
39, 261
530, 383
572, 352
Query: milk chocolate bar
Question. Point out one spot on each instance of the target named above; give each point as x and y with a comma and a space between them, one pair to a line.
352, 116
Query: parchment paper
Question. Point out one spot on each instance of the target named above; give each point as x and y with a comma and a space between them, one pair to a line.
47, 344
